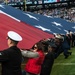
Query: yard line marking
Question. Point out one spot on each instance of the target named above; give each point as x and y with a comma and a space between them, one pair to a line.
59, 64
64, 64
71, 54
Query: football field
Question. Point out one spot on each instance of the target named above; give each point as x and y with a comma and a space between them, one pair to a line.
64, 66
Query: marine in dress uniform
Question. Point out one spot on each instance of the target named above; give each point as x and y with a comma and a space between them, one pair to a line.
11, 57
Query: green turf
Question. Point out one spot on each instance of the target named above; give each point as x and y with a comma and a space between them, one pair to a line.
63, 66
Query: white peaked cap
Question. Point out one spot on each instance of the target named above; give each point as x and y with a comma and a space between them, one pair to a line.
71, 32
59, 37
67, 33
14, 36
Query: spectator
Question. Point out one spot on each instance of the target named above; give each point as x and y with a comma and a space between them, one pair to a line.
72, 38
68, 38
49, 60
62, 46
33, 66
28, 54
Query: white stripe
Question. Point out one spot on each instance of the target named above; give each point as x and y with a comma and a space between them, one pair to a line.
64, 64
9, 16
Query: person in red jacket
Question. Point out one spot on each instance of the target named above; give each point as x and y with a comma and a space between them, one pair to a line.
33, 66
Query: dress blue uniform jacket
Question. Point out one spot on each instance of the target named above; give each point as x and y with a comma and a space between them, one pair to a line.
10, 60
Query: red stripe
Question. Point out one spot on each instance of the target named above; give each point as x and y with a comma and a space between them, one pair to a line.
29, 33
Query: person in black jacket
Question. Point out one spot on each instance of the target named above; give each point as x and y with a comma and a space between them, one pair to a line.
11, 57
49, 60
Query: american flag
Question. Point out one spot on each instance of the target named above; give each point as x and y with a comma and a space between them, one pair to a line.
12, 19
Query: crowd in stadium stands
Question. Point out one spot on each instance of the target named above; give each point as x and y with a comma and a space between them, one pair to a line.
64, 13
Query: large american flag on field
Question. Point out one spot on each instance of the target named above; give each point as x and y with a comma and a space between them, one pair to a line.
14, 20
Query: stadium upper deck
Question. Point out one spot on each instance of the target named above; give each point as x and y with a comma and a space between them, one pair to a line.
37, 4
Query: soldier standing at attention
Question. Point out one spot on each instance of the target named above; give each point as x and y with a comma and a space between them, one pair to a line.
11, 57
